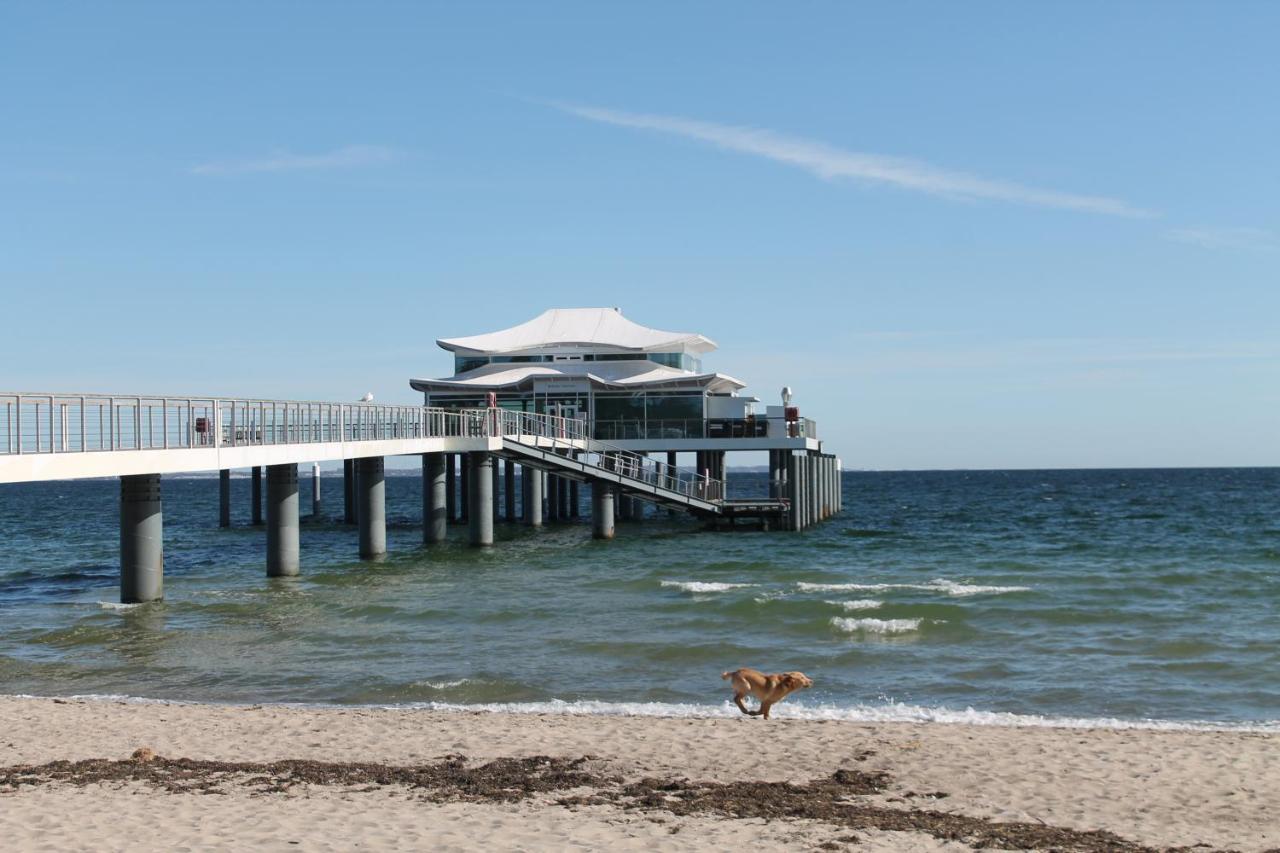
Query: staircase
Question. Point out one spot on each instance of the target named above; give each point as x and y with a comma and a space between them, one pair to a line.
563, 447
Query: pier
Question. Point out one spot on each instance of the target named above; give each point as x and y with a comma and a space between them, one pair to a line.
469, 463
574, 398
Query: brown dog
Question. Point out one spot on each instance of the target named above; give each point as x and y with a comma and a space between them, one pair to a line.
769, 689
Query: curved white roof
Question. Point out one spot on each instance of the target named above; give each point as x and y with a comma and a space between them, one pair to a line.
578, 326
618, 374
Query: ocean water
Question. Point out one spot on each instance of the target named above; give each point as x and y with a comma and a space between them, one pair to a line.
1015, 597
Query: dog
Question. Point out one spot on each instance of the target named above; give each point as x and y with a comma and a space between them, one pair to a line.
769, 689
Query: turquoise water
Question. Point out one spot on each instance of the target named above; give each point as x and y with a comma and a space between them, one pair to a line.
1121, 595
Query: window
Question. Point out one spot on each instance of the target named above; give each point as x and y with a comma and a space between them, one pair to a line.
463, 363
674, 407
620, 407
678, 360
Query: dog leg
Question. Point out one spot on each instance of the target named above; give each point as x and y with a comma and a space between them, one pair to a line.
764, 709
737, 697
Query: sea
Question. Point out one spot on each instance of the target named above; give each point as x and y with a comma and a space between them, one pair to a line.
1099, 598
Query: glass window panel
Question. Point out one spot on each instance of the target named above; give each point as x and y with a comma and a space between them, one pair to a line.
463, 363
670, 407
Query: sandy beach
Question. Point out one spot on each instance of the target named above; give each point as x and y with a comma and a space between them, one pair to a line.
853, 786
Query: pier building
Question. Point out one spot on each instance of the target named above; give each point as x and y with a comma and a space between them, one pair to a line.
532, 415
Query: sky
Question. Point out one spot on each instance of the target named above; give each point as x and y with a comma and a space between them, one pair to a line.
980, 235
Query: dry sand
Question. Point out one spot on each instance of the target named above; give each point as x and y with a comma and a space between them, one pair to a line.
1156, 788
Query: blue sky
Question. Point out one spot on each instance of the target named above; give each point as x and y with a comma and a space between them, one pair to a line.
968, 235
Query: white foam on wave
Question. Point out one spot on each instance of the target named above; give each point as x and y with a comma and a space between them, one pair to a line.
858, 604
875, 626
116, 605
963, 589
705, 586
442, 685
936, 585
888, 712
892, 712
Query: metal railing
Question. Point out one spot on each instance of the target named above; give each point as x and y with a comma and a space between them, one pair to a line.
91, 423
84, 423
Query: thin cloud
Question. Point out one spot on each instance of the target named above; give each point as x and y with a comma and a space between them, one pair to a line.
347, 157
1210, 237
829, 162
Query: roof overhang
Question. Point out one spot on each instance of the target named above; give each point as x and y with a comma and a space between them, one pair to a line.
615, 376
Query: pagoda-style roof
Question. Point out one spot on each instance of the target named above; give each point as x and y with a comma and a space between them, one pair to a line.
578, 327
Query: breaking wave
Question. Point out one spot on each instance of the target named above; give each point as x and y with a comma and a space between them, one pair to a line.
705, 586
876, 626
858, 604
936, 585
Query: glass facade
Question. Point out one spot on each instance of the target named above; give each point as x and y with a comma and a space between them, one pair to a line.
620, 415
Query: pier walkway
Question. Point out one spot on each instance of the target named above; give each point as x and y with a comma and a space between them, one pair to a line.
140, 438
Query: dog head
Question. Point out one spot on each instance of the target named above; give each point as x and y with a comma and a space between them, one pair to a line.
796, 680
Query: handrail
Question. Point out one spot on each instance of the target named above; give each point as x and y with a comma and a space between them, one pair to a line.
89, 423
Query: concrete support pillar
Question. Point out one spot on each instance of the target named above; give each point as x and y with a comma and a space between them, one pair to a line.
818, 488
224, 498
315, 489
820, 493
562, 498
809, 489
372, 503
451, 487
828, 487
788, 493
638, 506
255, 492
465, 488
602, 526
481, 510
671, 464
802, 489
575, 497
509, 489
435, 518
799, 487
282, 520
497, 489
793, 491
141, 539
553, 498
840, 487
531, 481
348, 491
